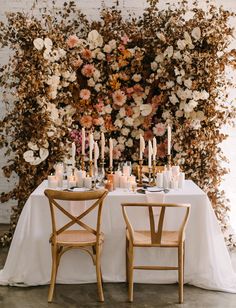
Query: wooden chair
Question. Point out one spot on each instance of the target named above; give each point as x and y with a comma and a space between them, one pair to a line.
160, 238
87, 238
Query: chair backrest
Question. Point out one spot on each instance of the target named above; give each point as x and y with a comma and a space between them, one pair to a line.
55, 196
156, 236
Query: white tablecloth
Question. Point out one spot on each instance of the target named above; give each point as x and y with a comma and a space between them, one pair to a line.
207, 262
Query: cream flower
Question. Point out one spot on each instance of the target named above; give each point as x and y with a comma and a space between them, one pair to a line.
145, 109
129, 143
48, 43
196, 33
108, 109
154, 66
169, 51
38, 43
137, 77
94, 39
107, 48
119, 98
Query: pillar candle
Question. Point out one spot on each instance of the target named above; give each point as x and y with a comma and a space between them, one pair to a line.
52, 181
83, 141
102, 145
73, 154
168, 139
91, 146
150, 152
154, 145
111, 152
96, 153
142, 146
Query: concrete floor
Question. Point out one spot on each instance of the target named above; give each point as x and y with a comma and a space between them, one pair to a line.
83, 296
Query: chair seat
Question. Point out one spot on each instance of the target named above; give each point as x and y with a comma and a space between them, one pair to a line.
77, 238
143, 238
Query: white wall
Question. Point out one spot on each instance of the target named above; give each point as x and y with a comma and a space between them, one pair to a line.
91, 9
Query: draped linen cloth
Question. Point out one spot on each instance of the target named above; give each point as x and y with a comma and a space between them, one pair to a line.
207, 260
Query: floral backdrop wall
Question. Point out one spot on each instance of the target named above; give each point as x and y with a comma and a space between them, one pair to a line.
123, 77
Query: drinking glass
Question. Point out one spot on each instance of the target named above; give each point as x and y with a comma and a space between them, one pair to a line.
100, 175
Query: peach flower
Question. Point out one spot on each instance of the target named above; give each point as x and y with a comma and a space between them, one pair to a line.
77, 63
116, 153
129, 111
159, 129
161, 150
148, 135
72, 41
119, 98
86, 54
99, 107
86, 121
85, 94
98, 121
138, 89
88, 70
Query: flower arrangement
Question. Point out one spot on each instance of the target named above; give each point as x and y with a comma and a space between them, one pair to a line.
120, 77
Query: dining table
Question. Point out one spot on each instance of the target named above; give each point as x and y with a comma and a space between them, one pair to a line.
207, 259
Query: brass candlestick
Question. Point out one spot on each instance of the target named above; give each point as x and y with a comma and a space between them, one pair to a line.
82, 162
110, 170
168, 161
90, 168
140, 173
153, 183
149, 175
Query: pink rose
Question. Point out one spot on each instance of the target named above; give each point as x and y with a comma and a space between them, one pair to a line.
85, 94
159, 129
88, 70
72, 41
99, 107
119, 98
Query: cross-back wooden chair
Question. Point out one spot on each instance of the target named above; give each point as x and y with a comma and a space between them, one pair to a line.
88, 238
155, 237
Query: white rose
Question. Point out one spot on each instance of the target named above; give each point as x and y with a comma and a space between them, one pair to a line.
121, 139
187, 59
179, 80
129, 121
188, 83
98, 87
154, 66
145, 109
159, 58
193, 103
137, 77
177, 55
170, 84
169, 51
196, 33
112, 44
96, 75
108, 109
61, 52
181, 44
129, 143
125, 131
91, 82
118, 123
100, 56
66, 74
107, 48
188, 108
95, 39
204, 94
38, 43
48, 43
166, 115
47, 54
187, 38
72, 77
179, 113
122, 112
173, 99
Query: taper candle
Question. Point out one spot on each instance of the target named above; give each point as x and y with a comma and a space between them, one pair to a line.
168, 139
91, 146
96, 153
150, 153
142, 146
73, 154
83, 141
111, 152
102, 145
154, 147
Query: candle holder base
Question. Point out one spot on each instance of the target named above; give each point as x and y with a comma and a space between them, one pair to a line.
140, 173
82, 162
90, 168
168, 162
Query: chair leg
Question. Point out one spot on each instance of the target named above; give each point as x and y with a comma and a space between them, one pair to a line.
131, 272
99, 275
53, 273
127, 260
181, 272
